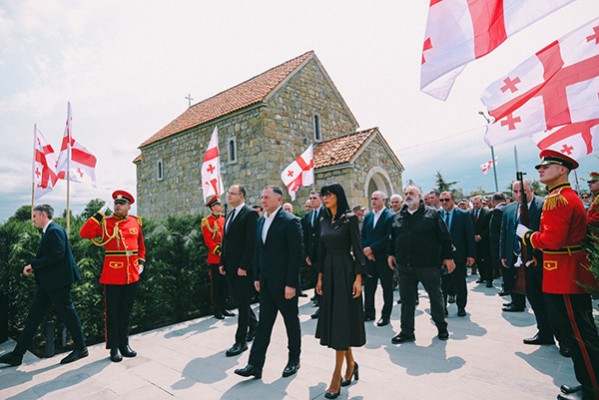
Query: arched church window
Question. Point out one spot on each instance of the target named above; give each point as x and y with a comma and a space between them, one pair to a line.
317, 131
159, 170
232, 150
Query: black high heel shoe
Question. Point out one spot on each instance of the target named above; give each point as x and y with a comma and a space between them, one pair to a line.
333, 395
355, 375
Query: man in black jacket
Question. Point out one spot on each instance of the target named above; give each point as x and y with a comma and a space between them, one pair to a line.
311, 229
279, 254
419, 244
55, 270
237, 258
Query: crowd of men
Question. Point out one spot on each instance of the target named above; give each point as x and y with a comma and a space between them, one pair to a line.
532, 243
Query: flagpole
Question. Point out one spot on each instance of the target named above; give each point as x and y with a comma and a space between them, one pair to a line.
69, 167
33, 172
492, 151
576, 179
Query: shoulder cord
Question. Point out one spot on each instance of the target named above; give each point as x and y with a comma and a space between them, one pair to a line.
98, 242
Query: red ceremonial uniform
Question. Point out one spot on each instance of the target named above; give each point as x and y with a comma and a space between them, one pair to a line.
593, 213
560, 236
212, 232
123, 241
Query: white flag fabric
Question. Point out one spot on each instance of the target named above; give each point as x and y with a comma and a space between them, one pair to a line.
461, 31
486, 166
74, 157
300, 172
576, 140
212, 183
44, 166
556, 87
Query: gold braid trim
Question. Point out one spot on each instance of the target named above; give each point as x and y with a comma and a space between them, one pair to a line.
98, 241
555, 200
212, 229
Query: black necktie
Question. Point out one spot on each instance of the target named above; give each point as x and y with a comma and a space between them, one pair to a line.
230, 219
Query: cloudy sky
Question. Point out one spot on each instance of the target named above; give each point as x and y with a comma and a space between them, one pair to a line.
126, 68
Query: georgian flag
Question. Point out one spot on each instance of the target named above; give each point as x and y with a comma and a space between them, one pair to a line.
75, 157
44, 166
576, 140
300, 172
212, 183
486, 166
556, 87
460, 31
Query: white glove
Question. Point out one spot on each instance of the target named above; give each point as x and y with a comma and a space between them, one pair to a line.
140, 268
521, 230
103, 209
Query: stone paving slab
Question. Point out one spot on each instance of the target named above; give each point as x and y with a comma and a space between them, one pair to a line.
483, 359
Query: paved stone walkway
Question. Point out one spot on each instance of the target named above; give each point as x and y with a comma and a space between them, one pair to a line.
483, 359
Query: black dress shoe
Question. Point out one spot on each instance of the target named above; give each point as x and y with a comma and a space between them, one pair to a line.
368, 318
127, 351
398, 301
251, 335
443, 334
403, 338
115, 355
537, 339
480, 280
582, 394
489, 284
564, 350
316, 314
461, 312
248, 371
11, 358
236, 349
512, 308
567, 389
507, 304
228, 313
219, 315
291, 368
302, 294
504, 293
75, 355
355, 375
451, 298
383, 322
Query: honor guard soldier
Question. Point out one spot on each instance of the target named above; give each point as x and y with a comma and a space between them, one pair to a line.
121, 236
212, 232
566, 276
593, 211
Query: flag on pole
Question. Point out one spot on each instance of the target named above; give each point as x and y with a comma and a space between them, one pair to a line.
73, 156
556, 87
212, 183
486, 166
300, 172
461, 31
576, 140
44, 166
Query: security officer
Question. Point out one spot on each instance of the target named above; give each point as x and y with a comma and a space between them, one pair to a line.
212, 232
566, 277
121, 236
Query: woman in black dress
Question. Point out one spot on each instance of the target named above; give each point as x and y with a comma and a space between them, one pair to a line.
341, 320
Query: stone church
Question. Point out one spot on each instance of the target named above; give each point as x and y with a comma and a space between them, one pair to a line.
264, 123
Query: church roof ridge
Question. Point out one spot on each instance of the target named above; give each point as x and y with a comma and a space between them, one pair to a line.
244, 94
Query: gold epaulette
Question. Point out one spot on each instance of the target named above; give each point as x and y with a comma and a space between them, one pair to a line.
204, 221
555, 200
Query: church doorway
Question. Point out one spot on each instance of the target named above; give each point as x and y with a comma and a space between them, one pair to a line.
377, 179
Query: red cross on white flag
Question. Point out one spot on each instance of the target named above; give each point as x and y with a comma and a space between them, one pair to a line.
575, 140
461, 31
212, 184
486, 166
75, 157
556, 87
300, 172
44, 166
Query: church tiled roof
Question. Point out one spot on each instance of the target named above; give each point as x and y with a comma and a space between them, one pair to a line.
243, 95
342, 149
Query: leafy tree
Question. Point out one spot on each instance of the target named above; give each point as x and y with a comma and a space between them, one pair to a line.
23, 213
92, 207
443, 186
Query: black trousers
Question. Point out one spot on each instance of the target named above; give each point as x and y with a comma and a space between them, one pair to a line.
547, 326
509, 280
119, 303
243, 289
270, 304
574, 315
408, 288
378, 271
61, 299
456, 281
484, 265
218, 289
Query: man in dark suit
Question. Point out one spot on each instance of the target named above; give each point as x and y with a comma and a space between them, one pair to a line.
499, 204
237, 258
375, 242
509, 251
55, 270
311, 229
279, 254
481, 216
461, 230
